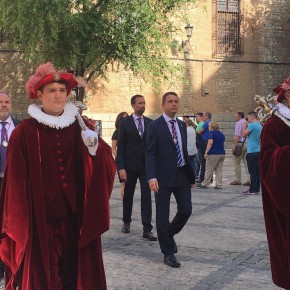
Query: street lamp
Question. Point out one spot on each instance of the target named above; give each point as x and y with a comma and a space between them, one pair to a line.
188, 29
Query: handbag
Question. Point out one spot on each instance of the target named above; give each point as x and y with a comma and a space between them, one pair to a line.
238, 149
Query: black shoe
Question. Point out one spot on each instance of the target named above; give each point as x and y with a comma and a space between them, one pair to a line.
172, 242
201, 186
171, 261
149, 236
126, 228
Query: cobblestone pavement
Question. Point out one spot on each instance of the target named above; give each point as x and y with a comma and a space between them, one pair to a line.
223, 245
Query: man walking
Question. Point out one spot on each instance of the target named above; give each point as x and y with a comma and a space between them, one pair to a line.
7, 126
169, 171
131, 165
54, 202
240, 141
253, 132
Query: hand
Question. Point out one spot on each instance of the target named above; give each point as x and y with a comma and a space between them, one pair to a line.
122, 190
90, 139
123, 174
192, 185
205, 156
153, 184
234, 147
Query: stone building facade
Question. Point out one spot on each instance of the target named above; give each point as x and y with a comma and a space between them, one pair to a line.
239, 48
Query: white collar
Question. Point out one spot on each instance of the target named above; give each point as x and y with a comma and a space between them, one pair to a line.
67, 118
167, 118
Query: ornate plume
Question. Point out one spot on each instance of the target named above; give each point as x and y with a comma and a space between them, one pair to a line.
42, 71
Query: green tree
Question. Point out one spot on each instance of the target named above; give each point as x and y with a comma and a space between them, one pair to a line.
87, 35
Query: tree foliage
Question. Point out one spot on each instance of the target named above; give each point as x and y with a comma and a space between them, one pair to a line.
86, 35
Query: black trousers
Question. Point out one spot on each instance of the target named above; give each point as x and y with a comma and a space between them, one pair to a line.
182, 193
253, 167
146, 203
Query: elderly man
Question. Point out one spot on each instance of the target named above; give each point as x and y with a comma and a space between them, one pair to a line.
240, 141
54, 200
275, 172
7, 126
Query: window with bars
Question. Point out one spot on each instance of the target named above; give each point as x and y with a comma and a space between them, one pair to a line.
227, 32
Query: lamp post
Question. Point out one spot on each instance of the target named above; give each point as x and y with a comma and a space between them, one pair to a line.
188, 29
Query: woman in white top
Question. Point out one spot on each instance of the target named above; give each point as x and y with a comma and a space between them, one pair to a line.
191, 142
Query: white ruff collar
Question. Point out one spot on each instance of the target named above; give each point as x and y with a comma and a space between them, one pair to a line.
67, 118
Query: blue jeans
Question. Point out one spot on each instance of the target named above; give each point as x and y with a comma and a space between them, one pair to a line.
253, 167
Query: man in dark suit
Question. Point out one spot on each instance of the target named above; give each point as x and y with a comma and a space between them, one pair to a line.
169, 171
7, 124
131, 165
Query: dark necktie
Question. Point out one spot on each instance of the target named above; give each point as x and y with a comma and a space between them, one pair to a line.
3, 146
140, 127
175, 140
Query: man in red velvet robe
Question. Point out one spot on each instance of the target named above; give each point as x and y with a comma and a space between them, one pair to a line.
275, 173
54, 202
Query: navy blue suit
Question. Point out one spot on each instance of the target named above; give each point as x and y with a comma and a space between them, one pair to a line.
161, 163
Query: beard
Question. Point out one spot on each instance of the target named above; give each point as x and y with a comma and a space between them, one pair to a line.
4, 114
141, 111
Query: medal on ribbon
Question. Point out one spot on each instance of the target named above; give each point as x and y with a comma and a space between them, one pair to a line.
4, 143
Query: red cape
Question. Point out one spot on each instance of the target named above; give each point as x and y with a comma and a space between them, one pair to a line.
275, 176
22, 213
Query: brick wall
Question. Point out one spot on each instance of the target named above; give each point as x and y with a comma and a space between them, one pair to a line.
219, 85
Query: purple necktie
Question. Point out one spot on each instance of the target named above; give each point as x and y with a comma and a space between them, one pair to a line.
175, 140
140, 127
3, 147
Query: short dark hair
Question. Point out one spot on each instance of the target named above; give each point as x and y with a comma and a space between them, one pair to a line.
253, 114
241, 114
208, 114
133, 99
167, 94
199, 114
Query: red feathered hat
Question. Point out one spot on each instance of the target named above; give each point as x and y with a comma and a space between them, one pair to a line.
280, 90
45, 74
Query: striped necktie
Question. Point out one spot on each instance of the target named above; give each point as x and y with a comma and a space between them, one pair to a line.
175, 140
140, 127
3, 147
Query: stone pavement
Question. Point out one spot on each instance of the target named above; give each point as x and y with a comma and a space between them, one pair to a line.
223, 245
